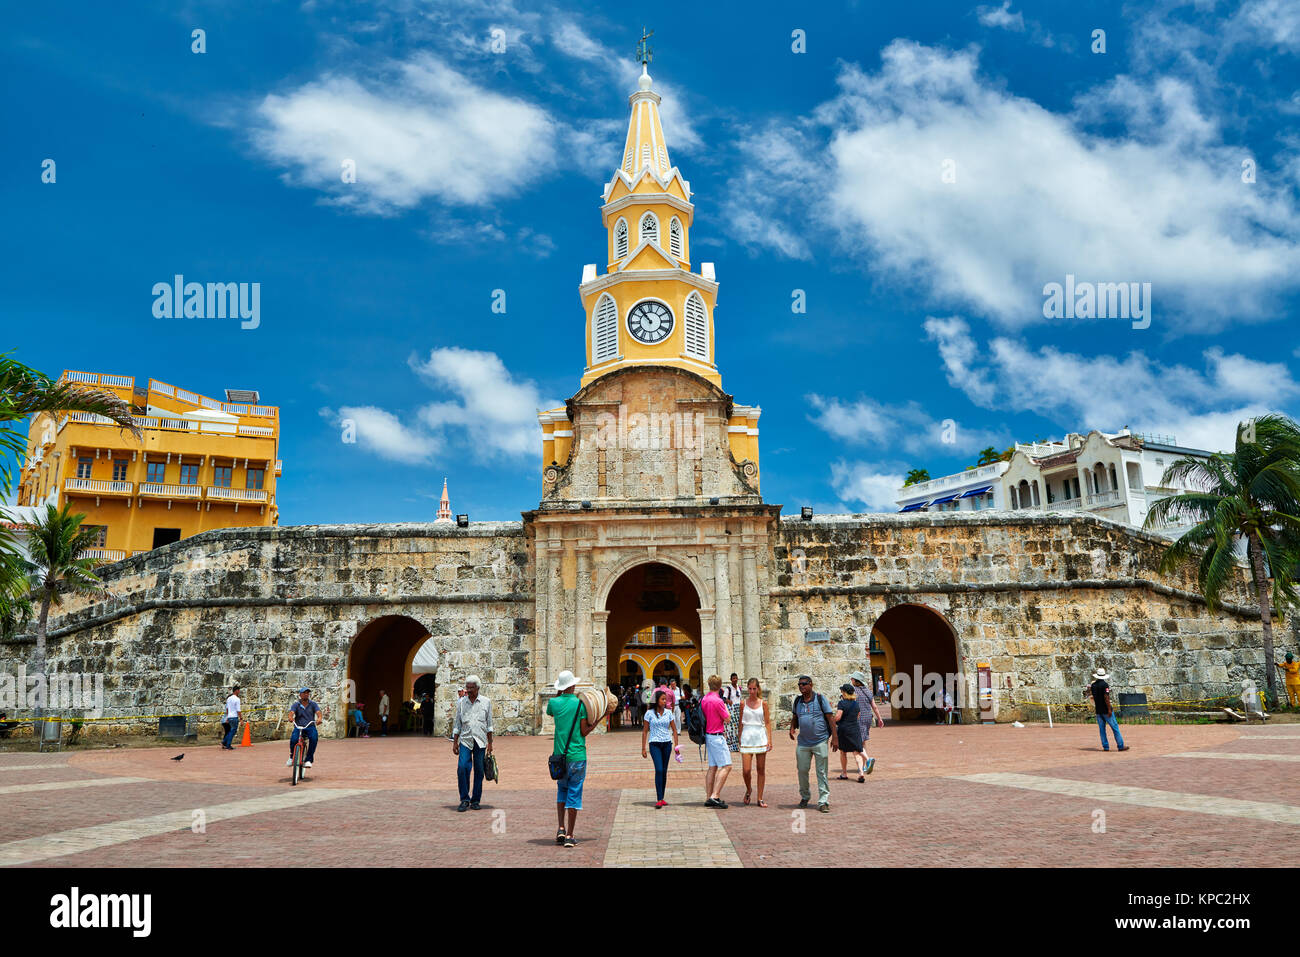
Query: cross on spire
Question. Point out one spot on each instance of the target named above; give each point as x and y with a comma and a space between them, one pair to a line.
643, 51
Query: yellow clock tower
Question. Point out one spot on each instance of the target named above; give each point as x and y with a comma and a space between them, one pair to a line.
647, 309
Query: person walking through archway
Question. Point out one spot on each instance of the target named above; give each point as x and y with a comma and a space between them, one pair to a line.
755, 738
659, 737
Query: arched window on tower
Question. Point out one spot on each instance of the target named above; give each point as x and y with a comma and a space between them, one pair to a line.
620, 239
650, 229
697, 328
604, 330
675, 237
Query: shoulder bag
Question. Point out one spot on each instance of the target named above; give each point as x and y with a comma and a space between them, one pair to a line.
559, 763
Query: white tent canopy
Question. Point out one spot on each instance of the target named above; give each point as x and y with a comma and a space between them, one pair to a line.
426, 659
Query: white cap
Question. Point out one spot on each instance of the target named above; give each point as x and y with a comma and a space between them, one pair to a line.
473, 680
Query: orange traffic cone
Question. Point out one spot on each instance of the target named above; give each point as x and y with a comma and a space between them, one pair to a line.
248, 736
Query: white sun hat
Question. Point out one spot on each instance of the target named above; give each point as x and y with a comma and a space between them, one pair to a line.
566, 681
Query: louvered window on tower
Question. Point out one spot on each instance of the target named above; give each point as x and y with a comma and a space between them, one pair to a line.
697, 328
645, 155
663, 159
650, 229
604, 337
627, 159
620, 239
675, 237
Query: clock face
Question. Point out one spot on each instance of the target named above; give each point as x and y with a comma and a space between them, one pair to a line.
650, 322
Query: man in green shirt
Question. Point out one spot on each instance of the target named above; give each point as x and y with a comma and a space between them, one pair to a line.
571, 730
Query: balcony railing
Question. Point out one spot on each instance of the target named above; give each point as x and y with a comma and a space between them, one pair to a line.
1105, 499
158, 490
257, 496
193, 398
95, 378
949, 481
173, 424
99, 486
104, 554
1064, 503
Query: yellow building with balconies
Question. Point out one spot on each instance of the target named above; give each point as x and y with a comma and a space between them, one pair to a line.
199, 463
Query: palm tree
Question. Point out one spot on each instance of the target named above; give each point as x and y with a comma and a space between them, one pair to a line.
57, 542
988, 457
916, 475
25, 392
1253, 494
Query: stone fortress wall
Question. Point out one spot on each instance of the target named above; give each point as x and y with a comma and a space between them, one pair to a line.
1042, 599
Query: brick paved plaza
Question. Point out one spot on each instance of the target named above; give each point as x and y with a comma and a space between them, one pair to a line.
940, 796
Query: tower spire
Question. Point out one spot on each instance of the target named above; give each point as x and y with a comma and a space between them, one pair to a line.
645, 145
444, 504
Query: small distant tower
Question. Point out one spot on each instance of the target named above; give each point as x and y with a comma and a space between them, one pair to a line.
444, 505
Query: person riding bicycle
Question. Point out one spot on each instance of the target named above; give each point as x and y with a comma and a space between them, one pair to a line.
305, 715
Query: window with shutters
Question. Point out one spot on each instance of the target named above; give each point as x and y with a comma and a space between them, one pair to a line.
604, 330
620, 239
649, 229
675, 237
663, 159
645, 155
627, 159
697, 328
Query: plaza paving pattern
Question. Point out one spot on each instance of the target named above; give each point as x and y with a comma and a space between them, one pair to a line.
964, 795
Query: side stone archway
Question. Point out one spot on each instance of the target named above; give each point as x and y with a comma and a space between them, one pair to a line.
918, 642
379, 659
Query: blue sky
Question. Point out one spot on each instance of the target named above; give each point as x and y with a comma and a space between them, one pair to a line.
483, 134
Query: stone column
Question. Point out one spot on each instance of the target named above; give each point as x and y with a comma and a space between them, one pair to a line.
541, 631
708, 643
753, 635
723, 648
582, 617
554, 636
600, 648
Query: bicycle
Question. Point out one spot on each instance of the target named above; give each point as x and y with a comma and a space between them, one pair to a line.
299, 756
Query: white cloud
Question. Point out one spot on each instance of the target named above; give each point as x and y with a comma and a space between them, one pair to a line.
908, 427
416, 130
862, 483
1105, 392
497, 414
1001, 17
383, 433
486, 414
1037, 194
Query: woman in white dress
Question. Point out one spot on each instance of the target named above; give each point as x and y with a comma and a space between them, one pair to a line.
755, 737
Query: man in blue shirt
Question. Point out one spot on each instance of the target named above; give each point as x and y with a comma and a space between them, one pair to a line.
814, 720
305, 715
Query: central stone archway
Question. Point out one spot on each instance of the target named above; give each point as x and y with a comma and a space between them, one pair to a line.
653, 611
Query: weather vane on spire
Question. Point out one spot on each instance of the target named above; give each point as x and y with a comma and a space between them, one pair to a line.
643, 51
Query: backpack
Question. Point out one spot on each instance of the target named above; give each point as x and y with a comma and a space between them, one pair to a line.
694, 721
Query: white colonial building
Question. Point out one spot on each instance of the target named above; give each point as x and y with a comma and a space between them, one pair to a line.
1118, 475
972, 490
